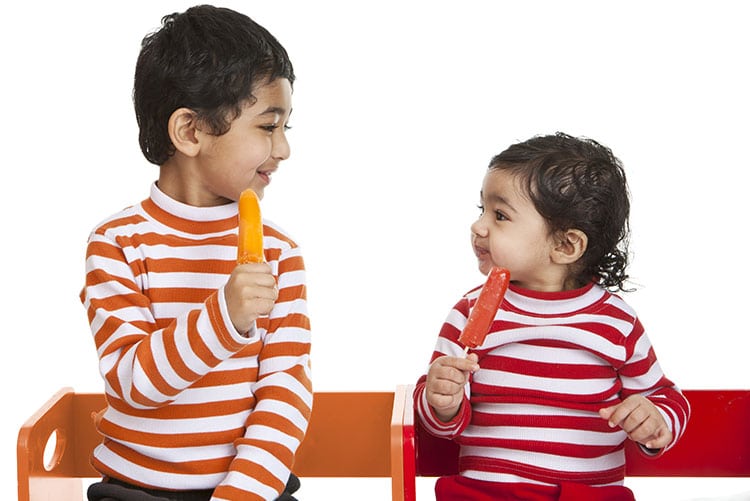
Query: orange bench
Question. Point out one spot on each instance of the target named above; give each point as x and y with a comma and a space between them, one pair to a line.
716, 443
374, 435
350, 435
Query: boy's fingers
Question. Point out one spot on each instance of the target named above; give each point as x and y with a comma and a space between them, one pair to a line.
255, 267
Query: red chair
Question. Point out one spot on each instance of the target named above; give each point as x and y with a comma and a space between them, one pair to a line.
716, 443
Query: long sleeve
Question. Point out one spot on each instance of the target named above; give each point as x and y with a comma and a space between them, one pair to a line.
446, 345
147, 361
188, 396
284, 396
642, 374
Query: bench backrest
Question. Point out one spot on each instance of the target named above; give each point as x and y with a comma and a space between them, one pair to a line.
374, 434
716, 443
349, 435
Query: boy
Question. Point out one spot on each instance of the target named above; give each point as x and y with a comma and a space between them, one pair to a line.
205, 362
566, 373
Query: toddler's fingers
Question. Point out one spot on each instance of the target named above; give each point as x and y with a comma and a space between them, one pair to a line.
617, 414
660, 439
468, 364
449, 375
438, 401
442, 386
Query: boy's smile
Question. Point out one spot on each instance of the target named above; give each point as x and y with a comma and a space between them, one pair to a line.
264, 175
248, 154
214, 169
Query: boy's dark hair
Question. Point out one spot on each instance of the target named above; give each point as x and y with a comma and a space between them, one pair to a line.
207, 59
576, 183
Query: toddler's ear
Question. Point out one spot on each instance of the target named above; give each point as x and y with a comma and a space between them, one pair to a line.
183, 131
570, 246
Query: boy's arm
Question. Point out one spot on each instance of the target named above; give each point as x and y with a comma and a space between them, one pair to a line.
283, 395
145, 364
642, 375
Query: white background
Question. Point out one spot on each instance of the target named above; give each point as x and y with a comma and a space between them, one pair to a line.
398, 107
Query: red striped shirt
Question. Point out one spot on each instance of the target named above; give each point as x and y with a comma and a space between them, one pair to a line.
548, 364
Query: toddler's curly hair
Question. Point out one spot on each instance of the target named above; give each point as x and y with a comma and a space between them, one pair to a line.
577, 183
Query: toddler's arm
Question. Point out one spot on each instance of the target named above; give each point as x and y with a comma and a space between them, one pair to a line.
641, 420
440, 395
446, 380
653, 411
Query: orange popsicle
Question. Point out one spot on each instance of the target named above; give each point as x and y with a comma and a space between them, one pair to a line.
484, 310
250, 244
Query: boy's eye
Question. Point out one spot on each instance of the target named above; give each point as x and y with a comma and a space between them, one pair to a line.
273, 127
481, 209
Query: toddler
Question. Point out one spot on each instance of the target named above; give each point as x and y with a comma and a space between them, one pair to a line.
566, 373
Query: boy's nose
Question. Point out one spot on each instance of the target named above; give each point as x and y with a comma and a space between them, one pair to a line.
281, 149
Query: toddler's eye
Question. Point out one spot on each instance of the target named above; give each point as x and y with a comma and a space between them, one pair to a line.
499, 216
287, 127
481, 209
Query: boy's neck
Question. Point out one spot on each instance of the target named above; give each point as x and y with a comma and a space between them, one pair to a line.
178, 180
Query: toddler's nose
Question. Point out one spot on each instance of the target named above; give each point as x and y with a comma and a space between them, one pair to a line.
478, 228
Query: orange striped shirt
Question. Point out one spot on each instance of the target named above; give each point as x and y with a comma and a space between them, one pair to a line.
192, 404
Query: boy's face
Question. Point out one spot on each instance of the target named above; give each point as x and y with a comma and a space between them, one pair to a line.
512, 234
250, 152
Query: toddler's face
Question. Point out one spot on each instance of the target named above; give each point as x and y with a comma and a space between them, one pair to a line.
511, 233
250, 152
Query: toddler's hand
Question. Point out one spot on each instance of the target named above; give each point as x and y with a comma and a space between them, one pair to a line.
250, 292
641, 420
446, 379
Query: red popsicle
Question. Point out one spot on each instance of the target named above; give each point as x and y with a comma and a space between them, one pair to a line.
484, 310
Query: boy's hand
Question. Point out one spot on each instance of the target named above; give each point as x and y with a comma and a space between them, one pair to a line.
641, 420
446, 379
250, 292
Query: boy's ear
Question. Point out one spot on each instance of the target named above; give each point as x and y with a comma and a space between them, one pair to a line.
569, 246
183, 131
